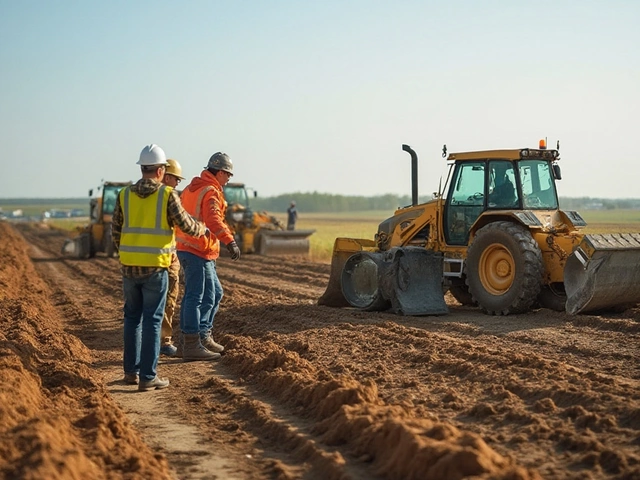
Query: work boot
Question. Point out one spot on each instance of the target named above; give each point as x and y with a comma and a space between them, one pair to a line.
168, 350
157, 382
130, 378
208, 343
178, 342
193, 349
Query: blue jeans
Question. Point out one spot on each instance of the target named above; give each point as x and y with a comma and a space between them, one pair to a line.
202, 294
144, 301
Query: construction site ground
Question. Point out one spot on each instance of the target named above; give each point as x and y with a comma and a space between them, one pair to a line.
305, 391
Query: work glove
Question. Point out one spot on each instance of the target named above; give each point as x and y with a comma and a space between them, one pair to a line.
234, 250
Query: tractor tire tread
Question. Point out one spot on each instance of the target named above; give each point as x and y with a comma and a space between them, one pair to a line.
528, 282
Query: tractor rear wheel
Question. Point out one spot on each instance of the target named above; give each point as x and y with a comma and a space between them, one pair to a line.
504, 268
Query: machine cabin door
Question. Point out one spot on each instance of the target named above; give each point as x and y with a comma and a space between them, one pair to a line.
478, 186
465, 201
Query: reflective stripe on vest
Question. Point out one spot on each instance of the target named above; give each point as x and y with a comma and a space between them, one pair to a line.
191, 241
147, 238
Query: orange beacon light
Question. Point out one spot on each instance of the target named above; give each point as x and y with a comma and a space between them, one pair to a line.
543, 144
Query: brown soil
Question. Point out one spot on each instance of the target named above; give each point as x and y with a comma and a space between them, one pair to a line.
305, 391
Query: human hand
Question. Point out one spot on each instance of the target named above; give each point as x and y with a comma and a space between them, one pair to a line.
234, 250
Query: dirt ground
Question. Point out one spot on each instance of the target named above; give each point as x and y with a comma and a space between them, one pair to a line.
305, 391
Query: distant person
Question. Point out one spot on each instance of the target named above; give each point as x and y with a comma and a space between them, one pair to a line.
143, 220
204, 199
292, 216
170, 330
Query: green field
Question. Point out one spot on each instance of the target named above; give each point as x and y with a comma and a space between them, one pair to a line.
329, 226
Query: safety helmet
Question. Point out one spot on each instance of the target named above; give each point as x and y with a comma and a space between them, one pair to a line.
174, 168
152, 155
293, 203
220, 161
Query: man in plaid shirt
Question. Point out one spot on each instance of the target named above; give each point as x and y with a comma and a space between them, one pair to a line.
143, 221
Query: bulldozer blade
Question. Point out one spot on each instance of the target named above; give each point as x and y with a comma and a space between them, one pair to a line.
413, 282
343, 248
284, 242
603, 273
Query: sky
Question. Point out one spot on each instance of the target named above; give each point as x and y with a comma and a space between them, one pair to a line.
316, 96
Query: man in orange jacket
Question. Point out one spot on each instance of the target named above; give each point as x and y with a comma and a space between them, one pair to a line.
204, 199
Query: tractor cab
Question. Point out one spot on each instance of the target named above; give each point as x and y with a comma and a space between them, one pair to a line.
498, 180
101, 208
238, 209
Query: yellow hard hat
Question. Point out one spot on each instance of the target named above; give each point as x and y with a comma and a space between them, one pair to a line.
174, 168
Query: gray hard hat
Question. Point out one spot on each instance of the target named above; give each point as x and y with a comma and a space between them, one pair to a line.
220, 161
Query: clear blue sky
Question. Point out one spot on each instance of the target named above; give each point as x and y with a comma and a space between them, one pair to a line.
315, 96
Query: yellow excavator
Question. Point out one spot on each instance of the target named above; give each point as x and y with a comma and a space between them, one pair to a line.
260, 232
495, 237
96, 236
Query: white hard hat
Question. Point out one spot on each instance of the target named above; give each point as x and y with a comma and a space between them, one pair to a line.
152, 155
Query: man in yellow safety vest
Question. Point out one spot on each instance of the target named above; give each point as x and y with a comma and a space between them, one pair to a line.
143, 221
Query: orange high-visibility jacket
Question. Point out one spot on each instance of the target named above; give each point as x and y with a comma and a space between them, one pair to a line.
204, 199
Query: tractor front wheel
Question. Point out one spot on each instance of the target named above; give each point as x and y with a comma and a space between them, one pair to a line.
504, 268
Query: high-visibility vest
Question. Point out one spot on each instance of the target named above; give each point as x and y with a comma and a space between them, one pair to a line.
207, 246
147, 238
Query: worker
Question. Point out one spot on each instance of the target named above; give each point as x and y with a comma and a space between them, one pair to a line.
143, 220
292, 216
503, 194
204, 199
170, 341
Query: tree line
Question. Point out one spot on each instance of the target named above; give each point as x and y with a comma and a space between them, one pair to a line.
325, 202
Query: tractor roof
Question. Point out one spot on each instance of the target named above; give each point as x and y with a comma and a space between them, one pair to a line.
117, 184
511, 154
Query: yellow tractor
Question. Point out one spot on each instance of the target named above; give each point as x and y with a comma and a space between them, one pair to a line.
495, 237
260, 232
96, 236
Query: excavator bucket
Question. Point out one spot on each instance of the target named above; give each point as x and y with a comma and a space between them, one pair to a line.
409, 280
284, 242
603, 272
343, 248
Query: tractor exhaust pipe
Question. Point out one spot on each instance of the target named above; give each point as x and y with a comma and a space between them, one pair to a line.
414, 174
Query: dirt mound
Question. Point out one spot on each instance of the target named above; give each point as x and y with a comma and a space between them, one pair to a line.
307, 391
56, 419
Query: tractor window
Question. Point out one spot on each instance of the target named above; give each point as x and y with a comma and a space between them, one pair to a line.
235, 195
465, 201
502, 185
109, 196
538, 187
468, 185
